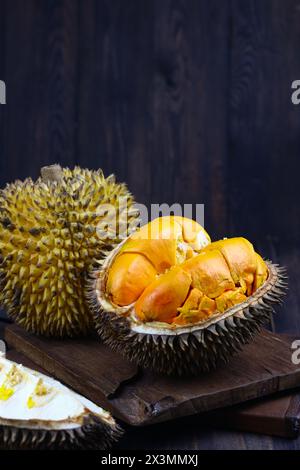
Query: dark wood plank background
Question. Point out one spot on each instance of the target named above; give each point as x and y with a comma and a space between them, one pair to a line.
187, 101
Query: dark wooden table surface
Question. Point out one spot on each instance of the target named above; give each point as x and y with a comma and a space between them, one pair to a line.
189, 433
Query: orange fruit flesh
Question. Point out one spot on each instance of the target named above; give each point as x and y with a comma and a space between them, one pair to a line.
129, 275
147, 273
161, 299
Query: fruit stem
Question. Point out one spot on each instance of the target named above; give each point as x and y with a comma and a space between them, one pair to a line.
51, 173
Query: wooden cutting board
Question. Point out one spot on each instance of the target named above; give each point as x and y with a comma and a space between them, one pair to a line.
139, 397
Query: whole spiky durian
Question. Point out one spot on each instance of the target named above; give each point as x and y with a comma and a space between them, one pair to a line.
51, 230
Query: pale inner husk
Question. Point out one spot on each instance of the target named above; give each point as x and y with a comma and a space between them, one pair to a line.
32, 400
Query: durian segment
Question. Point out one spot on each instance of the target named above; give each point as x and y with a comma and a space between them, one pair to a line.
241, 260
210, 273
261, 273
162, 298
192, 301
42, 413
150, 251
181, 229
128, 277
197, 308
32, 398
224, 274
50, 234
160, 253
142, 274
41, 399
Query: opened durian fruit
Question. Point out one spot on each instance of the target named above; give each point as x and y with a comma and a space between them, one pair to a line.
50, 232
37, 412
174, 302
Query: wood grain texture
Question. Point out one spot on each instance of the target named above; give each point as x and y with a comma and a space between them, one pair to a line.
278, 416
264, 136
187, 102
190, 101
140, 397
41, 76
138, 116
3, 108
57, 110
115, 83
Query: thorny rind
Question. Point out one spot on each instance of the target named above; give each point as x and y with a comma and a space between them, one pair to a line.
190, 351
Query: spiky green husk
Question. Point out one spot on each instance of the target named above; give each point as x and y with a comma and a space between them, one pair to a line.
190, 351
94, 434
48, 240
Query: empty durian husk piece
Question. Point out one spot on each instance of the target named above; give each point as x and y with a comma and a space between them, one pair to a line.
172, 301
38, 412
